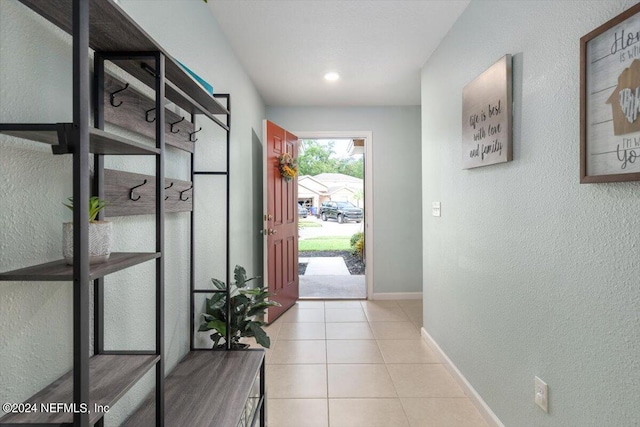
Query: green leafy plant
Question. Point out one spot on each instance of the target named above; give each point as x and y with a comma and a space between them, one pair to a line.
246, 304
355, 238
357, 244
95, 206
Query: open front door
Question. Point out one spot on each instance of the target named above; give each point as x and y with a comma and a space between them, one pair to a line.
280, 221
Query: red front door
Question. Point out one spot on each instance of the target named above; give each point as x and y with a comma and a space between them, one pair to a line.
280, 221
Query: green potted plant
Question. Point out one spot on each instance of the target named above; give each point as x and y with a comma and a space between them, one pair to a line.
100, 234
248, 305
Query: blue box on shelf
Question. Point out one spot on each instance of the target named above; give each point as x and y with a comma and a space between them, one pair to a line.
203, 83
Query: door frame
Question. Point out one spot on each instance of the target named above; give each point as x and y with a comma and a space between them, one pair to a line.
368, 189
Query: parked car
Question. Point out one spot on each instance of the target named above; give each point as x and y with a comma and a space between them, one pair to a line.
341, 211
302, 212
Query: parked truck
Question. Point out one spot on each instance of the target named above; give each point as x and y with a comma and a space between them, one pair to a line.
341, 211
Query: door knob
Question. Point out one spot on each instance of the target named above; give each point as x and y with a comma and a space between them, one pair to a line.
272, 231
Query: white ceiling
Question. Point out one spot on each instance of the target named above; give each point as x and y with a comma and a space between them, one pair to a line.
377, 46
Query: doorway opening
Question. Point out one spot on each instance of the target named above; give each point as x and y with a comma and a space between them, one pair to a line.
334, 222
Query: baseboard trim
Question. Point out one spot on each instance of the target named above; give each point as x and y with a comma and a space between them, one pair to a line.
489, 416
396, 295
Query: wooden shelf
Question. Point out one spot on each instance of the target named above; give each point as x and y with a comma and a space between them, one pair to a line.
193, 101
59, 136
129, 115
112, 30
57, 271
111, 376
102, 142
117, 189
206, 389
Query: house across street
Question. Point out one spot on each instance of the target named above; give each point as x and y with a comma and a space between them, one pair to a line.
324, 187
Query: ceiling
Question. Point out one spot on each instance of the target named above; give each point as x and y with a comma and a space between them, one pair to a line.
377, 46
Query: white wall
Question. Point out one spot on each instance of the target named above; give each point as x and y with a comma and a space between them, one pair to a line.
35, 86
396, 172
528, 272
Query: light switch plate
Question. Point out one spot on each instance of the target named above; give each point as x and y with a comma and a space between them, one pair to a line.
541, 394
435, 208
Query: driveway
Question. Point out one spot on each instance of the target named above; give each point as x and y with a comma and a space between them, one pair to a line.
329, 228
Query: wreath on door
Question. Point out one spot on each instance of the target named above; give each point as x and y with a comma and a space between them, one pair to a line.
288, 166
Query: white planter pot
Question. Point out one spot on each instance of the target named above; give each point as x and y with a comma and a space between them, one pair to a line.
100, 238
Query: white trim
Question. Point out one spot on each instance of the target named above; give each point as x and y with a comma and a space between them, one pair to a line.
396, 295
311, 190
303, 177
368, 189
489, 416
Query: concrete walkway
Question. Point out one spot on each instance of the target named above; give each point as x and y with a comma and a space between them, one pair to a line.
329, 277
329, 266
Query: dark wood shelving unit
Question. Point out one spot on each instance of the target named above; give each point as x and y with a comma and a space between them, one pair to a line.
111, 377
59, 135
192, 101
112, 30
209, 389
57, 271
104, 377
117, 185
132, 105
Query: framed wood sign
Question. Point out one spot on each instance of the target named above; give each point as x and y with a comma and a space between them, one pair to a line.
610, 100
487, 116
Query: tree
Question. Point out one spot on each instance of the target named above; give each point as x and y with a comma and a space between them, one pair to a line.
352, 167
318, 158
315, 158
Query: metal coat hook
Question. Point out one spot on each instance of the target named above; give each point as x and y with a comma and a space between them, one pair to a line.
113, 95
166, 188
173, 124
183, 191
146, 115
191, 138
133, 188
149, 69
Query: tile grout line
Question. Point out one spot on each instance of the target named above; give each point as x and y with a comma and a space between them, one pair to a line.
326, 363
404, 411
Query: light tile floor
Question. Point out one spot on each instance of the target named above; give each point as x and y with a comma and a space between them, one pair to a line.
359, 364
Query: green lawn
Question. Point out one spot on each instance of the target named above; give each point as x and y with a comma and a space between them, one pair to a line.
328, 243
307, 224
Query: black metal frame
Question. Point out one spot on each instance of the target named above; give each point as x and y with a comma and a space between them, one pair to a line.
263, 392
194, 173
158, 58
81, 96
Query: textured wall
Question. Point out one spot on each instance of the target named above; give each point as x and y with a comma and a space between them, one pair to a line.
397, 265
528, 272
35, 86
35, 345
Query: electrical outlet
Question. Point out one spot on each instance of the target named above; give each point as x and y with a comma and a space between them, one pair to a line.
435, 208
542, 394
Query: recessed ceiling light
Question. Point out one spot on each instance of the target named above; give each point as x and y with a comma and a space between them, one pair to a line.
332, 76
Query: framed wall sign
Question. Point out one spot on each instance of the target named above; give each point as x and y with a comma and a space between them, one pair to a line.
487, 116
610, 100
